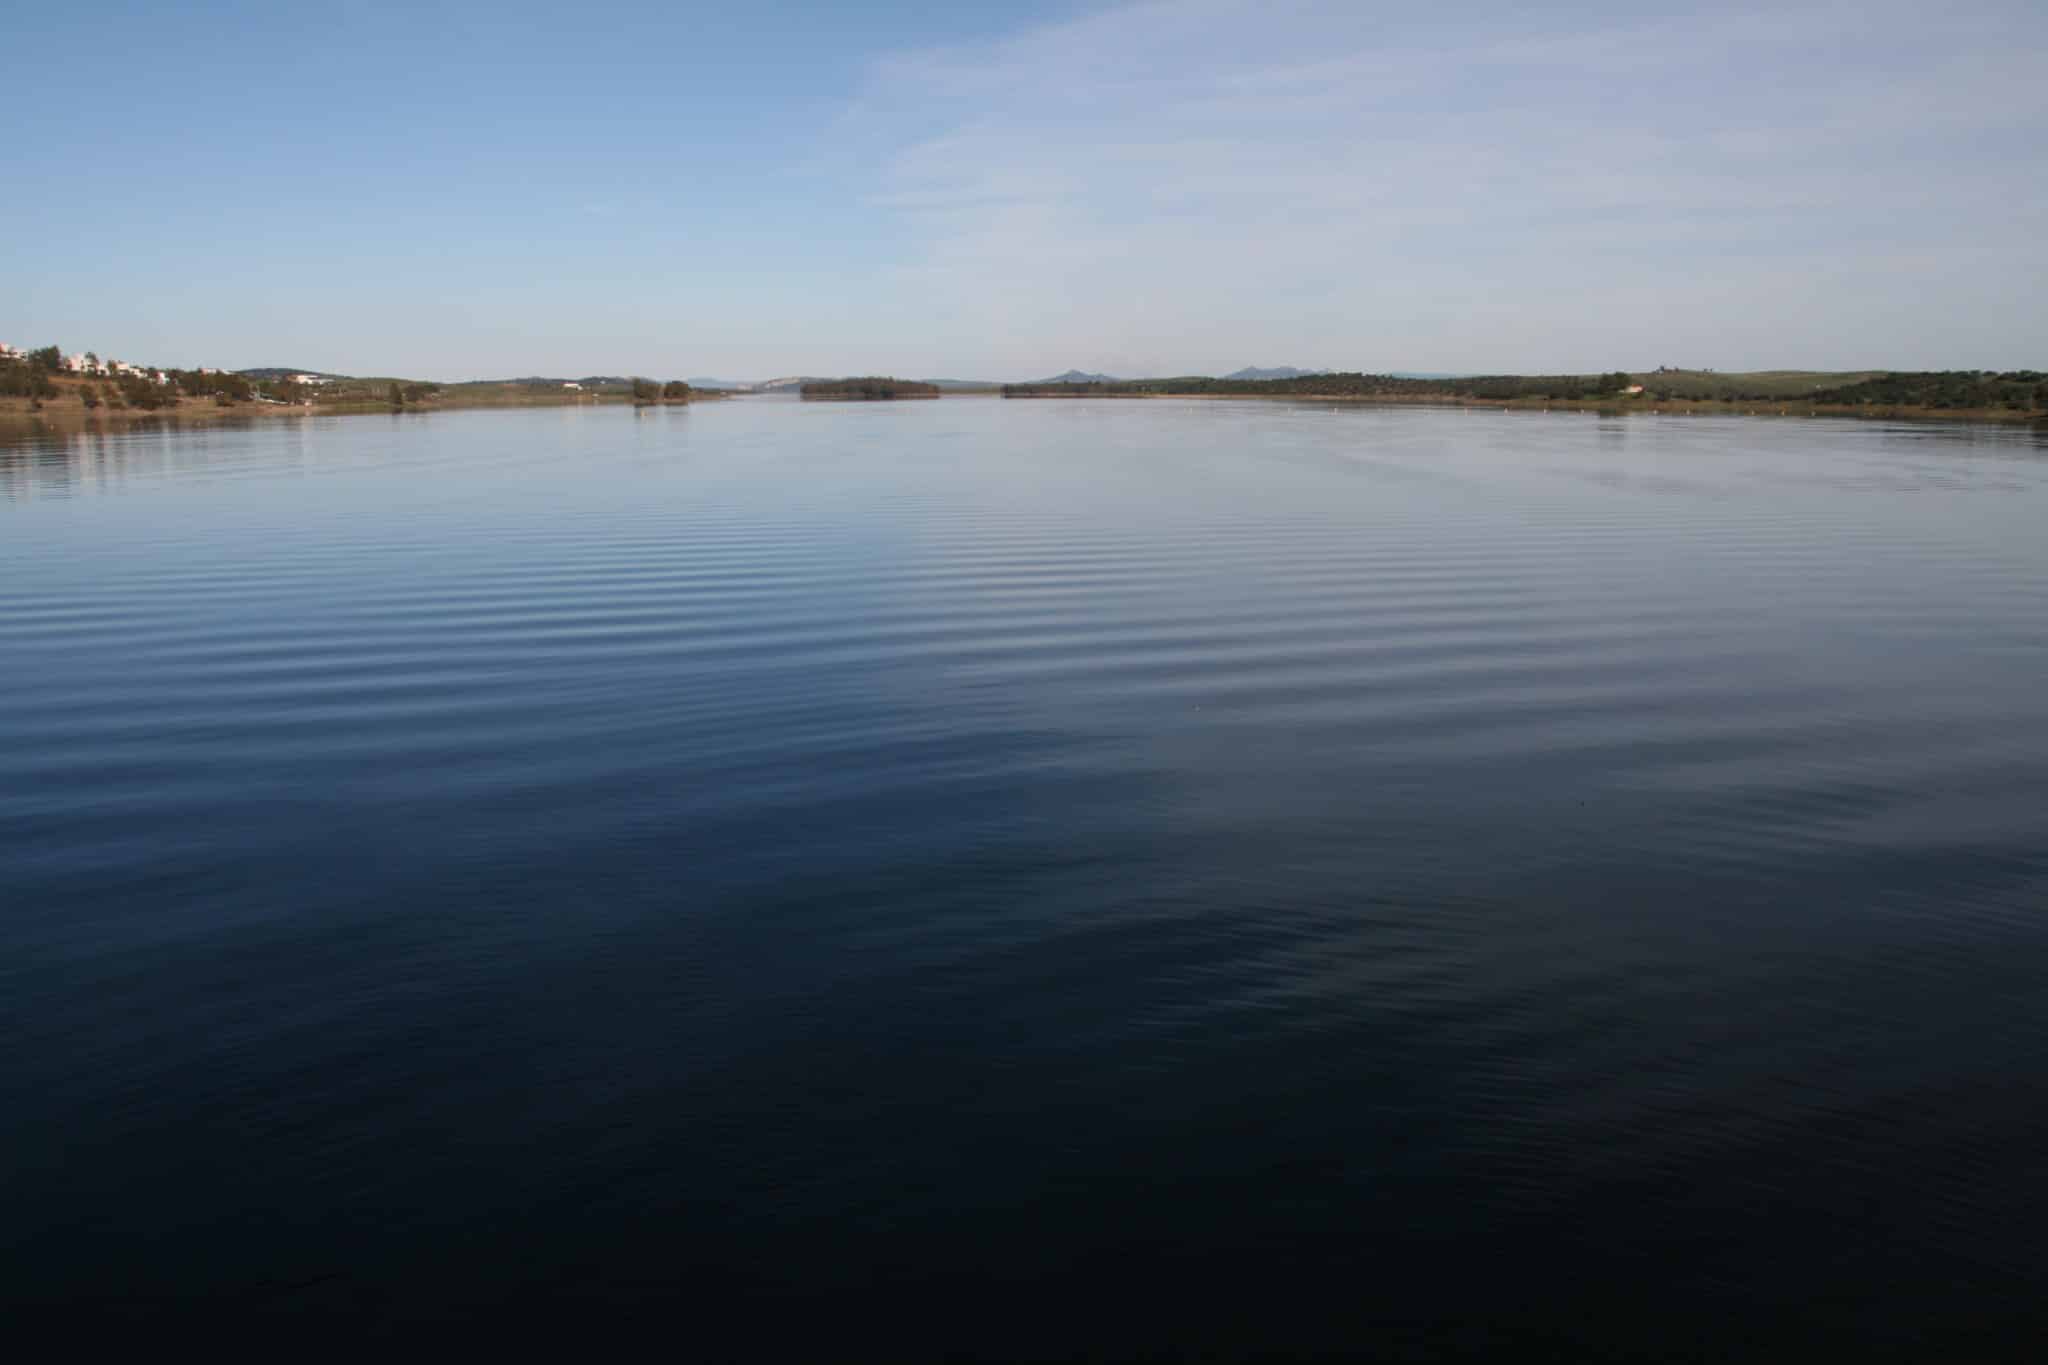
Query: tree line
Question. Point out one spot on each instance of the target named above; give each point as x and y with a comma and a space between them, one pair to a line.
868, 388
2016, 390
1563, 387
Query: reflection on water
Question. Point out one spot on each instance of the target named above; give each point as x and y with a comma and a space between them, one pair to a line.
60, 463
64, 463
1161, 876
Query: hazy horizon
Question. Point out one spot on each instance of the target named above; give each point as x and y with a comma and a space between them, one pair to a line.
1175, 187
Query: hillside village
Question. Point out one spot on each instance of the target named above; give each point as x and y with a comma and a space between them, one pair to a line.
49, 383
87, 365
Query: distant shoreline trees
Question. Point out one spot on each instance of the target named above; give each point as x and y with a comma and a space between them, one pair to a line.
1957, 390
868, 389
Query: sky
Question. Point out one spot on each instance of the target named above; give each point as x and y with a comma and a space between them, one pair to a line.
460, 190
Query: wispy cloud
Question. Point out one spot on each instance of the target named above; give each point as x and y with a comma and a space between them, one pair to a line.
1196, 184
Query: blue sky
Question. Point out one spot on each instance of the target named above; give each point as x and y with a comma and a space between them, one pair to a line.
461, 190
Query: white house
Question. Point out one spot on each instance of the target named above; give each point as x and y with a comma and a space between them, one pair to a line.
571, 384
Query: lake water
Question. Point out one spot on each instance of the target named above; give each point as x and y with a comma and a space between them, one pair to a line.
1057, 878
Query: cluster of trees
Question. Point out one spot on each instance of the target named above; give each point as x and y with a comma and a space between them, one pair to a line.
402, 394
869, 388
28, 376
647, 391
2014, 390
215, 384
1564, 388
24, 379
134, 391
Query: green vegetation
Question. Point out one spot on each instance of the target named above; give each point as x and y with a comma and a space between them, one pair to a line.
869, 389
38, 378
646, 391
1945, 390
146, 394
1901, 393
206, 384
24, 379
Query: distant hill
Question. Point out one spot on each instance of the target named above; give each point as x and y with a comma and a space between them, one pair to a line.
1080, 377
1281, 372
960, 384
286, 372
698, 382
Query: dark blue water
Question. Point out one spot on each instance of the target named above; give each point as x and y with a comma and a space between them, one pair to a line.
1029, 879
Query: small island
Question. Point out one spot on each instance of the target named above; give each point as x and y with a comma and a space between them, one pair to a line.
871, 389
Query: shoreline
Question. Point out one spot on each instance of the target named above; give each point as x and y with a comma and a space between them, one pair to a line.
69, 415
60, 416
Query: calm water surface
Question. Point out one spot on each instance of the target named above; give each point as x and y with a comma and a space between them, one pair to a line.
1030, 879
